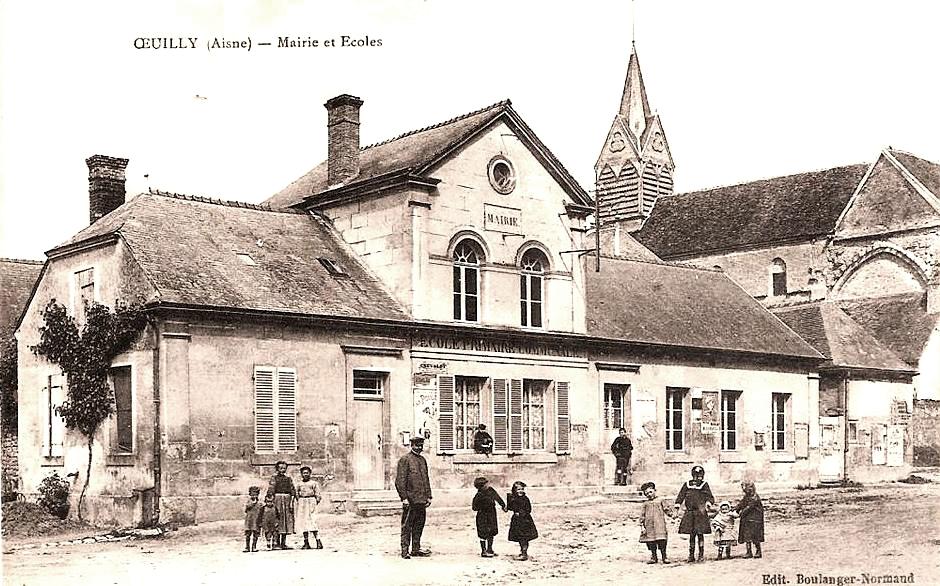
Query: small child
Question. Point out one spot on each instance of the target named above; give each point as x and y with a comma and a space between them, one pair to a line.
269, 522
308, 497
521, 528
723, 529
653, 522
751, 512
252, 519
482, 441
697, 495
484, 503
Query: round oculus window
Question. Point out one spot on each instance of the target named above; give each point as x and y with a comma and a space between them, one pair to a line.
502, 175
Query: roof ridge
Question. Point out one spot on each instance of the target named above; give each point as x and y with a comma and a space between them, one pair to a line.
910, 154
222, 202
501, 103
662, 263
24, 261
739, 184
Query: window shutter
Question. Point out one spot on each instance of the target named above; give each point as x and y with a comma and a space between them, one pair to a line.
515, 415
286, 409
563, 429
57, 393
445, 389
264, 409
500, 416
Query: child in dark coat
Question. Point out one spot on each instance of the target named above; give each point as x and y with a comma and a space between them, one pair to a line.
269, 522
521, 528
751, 519
252, 519
484, 503
697, 495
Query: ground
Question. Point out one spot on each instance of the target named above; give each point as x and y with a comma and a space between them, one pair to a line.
884, 530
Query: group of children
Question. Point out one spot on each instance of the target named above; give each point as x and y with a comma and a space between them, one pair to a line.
701, 517
287, 508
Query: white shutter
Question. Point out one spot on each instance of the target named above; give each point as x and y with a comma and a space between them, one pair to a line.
445, 413
515, 416
563, 420
58, 423
264, 409
286, 410
500, 416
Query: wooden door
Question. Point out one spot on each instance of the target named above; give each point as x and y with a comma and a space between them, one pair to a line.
830, 449
368, 438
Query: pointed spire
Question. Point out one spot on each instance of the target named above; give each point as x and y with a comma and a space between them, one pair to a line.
634, 106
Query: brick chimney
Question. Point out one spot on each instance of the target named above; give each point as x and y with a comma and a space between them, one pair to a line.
105, 185
342, 127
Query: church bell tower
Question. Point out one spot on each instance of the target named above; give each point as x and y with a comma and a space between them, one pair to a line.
635, 167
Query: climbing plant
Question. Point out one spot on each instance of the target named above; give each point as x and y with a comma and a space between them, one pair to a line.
8, 382
85, 354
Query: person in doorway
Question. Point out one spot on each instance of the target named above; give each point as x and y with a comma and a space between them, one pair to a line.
308, 497
622, 449
697, 495
522, 528
484, 503
750, 511
252, 519
414, 490
653, 522
482, 441
281, 487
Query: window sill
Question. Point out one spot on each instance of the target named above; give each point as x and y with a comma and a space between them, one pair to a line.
378, 398
52, 461
534, 458
782, 457
272, 459
732, 456
121, 460
678, 458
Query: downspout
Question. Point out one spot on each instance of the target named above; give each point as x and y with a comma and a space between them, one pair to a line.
845, 428
157, 431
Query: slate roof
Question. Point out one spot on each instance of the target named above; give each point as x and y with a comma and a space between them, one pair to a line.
682, 307
899, 322
925, 171
839, 338
757, 213
415, 151
17, 278
188, 246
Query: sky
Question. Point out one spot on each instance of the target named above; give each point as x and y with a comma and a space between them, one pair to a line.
745, 90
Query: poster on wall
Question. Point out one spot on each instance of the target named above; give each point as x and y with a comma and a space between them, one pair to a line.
878, 440
425, 408
895, 447
644, 413
711, 418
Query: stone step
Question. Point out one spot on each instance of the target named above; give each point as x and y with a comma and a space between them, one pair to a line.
628, 493
371, 503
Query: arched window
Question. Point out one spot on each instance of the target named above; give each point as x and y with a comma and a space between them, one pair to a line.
533, 266
778, 277
467, 258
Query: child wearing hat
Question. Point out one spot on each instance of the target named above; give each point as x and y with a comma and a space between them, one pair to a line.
522, 528
484, 503
697, 495
653, 522
252, 519
309, 495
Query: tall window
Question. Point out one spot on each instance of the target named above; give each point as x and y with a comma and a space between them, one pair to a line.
675, 436
614, 397
275, 409
54, 433
122, 431
534, 265
467, 281
779, 423
533, 414
778, 277
466, 410
729, 420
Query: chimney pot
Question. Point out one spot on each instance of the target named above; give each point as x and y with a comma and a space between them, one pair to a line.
343, 138
106, 185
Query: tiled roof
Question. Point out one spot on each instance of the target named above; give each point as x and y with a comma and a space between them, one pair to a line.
750, 214
682, 307
840, 339
925, 171
413, 151
197, 251
900, 322
17, 278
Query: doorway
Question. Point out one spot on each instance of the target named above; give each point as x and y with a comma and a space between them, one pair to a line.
368, 439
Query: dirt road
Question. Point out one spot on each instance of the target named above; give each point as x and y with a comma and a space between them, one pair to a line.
813, 537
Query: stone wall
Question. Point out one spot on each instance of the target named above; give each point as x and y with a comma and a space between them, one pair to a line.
925, 425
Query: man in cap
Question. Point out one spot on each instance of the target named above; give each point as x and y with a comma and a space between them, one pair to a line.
414, 490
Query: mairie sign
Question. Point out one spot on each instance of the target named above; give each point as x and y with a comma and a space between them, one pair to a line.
502, 219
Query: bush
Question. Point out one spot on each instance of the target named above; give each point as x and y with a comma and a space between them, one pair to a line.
54, 495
